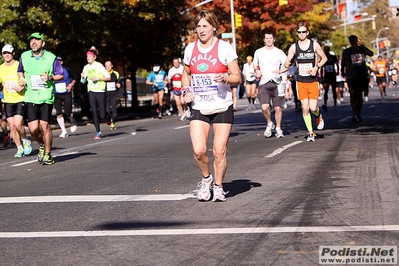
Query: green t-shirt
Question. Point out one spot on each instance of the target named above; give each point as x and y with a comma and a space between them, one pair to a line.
37, 91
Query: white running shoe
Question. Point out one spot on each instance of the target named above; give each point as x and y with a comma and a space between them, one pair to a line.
218, 193
320, 122
279, 133
63, 134
268, 130
188, 113
366, 99
73, 128
310, 136
204, 188
183, 117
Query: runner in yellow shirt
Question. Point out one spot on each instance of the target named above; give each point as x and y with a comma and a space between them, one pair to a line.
14, 101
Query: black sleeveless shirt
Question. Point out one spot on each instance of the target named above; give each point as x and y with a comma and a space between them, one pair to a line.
306, 60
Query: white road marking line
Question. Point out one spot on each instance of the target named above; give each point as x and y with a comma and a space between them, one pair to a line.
182, 127
208, 231
102, 141
371, 106
95, 198
280, 150
65, 151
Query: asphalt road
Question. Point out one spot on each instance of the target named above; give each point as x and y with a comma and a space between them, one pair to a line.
127, 199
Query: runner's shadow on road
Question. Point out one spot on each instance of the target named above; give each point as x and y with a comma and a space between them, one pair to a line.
239, 186
67, 157
137, 225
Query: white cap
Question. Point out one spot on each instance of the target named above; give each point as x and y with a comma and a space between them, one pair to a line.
7, 48
156, 68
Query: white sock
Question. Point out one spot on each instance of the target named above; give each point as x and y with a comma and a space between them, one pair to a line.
60, 121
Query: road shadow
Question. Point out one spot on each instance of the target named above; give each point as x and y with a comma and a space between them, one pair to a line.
137, 225
67, 157
239, 186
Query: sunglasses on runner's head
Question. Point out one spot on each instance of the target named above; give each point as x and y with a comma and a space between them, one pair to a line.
302, 31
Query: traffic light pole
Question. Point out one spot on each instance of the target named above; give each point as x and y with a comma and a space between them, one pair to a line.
233, 26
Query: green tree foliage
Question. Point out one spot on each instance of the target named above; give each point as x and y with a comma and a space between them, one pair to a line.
364, 30
262, 15
130, 33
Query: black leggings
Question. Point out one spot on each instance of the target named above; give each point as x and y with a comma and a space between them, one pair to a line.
112, 99
97, 105
67, 99
326, 87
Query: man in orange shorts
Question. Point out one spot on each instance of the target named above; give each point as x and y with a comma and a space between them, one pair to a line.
309, 59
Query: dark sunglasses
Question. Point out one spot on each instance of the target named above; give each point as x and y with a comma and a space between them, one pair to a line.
302, 31
6, 53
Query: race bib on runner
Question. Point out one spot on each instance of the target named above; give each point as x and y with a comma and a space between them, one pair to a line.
159, 78
329, 69
176, 84
381, 70
281, 89
36, 82
111, 86
204, 84
304, 68
357, 59
11, 85
60, 87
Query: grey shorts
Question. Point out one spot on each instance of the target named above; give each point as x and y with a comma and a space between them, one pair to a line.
269, 91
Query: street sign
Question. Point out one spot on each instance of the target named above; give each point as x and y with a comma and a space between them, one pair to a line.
227, 35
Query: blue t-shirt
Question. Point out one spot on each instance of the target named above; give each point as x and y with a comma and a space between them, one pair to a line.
158, 78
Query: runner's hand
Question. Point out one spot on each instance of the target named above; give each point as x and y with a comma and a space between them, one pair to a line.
187, 94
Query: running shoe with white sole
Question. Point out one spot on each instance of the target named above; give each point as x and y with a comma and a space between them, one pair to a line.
204, 188
188, 113
63, 135
218, 193
310, 136
20, 153
98, 135
268, 130
73, 128
183, 117
40, 155
279, 133
320, 122
47, 160
27, 147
